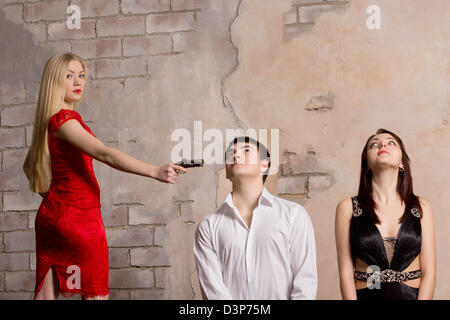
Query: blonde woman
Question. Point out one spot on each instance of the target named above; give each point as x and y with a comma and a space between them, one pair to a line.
71, 248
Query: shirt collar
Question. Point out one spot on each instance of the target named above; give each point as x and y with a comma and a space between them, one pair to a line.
265, 199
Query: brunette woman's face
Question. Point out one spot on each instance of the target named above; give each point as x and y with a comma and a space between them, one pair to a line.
383, 151
74, 82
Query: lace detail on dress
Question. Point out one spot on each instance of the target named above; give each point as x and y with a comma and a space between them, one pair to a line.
59, 118
389, 245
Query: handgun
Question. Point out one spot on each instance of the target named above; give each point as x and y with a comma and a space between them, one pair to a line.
189, 164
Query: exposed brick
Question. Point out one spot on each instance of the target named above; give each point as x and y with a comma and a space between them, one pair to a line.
12, 94
32, 90
131, 278
59, 31
290, 17
21, 201
101, 48
119, 294
120, 26
106, 131
154, 44
13, 13
321, 103
14, 261
31, 218
118, 258
187, 4
161, 236
12, 138
295, 29
59, 46
45, 11
186, 209
303, 163
182, 41
95, 96
38, 31
306, 2
97, 8
18, 115
170, 22
149, 257
29, 135
130, 237
144, 6
291, 185
309, 14
13, 221
90, 69
319, 182
12, 176
121, 67
19, 241
147, 294
116, 216
160, 276
16, 295
143, 215
20, 280
33, 261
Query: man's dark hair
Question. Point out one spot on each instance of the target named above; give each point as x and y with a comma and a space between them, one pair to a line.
262, 149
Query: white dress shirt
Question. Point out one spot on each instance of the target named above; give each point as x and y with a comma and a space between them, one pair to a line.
273, 259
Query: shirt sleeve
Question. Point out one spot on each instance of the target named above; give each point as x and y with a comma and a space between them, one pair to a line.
303, 258
208, 265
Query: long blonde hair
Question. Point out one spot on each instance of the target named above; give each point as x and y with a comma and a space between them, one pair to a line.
50, 101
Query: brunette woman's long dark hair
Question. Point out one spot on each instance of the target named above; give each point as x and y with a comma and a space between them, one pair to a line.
404, 184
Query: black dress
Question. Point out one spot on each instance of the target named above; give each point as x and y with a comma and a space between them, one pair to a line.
368, 245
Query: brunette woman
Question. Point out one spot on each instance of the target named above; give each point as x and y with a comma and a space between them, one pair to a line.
385, 234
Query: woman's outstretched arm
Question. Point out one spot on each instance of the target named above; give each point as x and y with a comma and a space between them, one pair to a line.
72, 132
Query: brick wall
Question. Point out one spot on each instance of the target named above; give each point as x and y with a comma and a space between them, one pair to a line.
304, 13
118, 40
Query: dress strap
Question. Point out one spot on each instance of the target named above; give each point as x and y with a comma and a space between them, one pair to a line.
357, 211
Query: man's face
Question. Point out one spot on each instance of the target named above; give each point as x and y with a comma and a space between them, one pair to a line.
243, 160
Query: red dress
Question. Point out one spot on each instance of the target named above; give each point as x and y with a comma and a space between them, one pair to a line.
70, 235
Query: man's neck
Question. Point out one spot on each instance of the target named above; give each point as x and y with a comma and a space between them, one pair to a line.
245, 198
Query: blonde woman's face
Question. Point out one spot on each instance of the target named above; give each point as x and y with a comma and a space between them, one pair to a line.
74, 82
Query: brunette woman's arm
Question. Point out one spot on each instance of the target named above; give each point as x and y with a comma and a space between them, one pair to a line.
345, 261
427, 253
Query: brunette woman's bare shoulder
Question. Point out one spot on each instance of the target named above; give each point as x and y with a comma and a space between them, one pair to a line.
424, 203
345, 208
